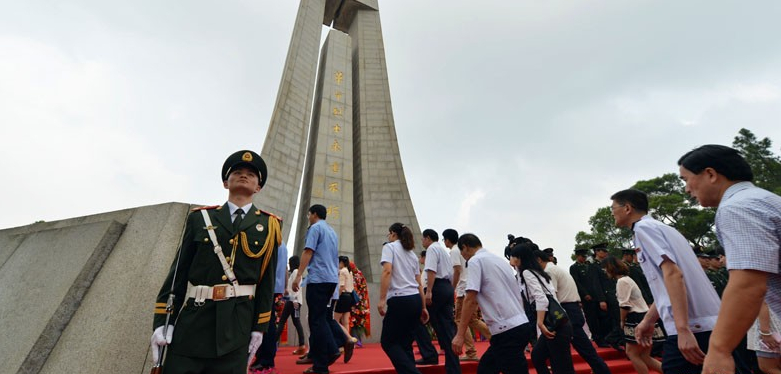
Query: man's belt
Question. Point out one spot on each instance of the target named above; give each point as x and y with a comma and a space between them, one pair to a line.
218, 292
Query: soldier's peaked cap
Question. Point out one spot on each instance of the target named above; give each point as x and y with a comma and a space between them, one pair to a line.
581, 251
599, 247
628, 251
245, 158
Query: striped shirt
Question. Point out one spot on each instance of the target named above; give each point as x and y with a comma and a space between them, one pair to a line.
748, 226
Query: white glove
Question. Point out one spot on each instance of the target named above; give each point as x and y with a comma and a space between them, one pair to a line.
255, 340
158, 340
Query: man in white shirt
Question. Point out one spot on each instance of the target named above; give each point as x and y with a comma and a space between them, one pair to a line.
439, 296
460, 273
567, 294
492, 284
683, 296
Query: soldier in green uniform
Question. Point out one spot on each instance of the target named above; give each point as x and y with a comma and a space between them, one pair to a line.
608, 330
581, 271
716, 279
222, 279
636, 273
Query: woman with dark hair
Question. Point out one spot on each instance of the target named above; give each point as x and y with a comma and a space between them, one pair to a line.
553, 345
402, 292
633, 309
293, 307
346, 302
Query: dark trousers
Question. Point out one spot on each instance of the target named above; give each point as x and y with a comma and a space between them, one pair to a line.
610, 321
441, 316
674, 362
423, 339
232, 363
398, 327
580, 340
590, 309
505, 352
268, 347
289, 311
557, 350
336, 330
321, 339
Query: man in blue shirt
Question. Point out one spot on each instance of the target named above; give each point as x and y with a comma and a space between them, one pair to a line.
748, 226
268, 348
321, 260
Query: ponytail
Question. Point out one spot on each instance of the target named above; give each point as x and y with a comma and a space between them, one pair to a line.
405, 235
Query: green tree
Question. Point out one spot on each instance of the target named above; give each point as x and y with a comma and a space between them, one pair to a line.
759, 155
669, 203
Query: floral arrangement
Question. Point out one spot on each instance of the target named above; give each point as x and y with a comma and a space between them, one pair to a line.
360, 315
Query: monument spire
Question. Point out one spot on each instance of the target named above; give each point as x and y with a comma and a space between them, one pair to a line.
353, 165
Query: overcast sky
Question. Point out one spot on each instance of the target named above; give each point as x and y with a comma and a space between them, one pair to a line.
515, 117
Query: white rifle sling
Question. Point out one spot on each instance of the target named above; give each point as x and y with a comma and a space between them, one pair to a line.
218, 249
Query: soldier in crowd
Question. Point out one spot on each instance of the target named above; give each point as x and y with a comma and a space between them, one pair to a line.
227, 255
629, 256
581, 271
608, 329
714, 276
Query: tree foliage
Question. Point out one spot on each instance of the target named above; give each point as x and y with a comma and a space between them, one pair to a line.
669, 203
759, 155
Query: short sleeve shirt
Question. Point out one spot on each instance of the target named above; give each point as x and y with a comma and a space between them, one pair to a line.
630, 296
279, 283
748, 226
406, 267
498, 292
324, 266
438, 260
458, 260
566, 289
658, 242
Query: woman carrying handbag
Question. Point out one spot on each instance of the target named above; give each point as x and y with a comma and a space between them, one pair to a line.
554, 326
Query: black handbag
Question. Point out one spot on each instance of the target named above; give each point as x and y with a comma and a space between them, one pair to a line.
555, 316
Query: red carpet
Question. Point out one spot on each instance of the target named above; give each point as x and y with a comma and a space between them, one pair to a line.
371, 359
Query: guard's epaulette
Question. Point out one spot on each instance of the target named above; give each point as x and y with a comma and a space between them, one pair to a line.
205, 207
270, 214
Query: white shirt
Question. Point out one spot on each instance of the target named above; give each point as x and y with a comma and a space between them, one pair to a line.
294, 296
629, 295
458, 260
405, 269
438, 261
346, 280
536, 290
658, 242
232, 207
497, 291
566, 288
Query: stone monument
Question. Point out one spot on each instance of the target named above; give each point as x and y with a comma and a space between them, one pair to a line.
352, 163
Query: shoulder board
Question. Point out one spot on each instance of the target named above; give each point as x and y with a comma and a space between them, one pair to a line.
205, 208
257, 213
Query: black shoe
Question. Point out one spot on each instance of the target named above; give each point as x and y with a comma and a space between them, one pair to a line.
304, 361
617, 347
349, 348
424, 361
602, 344
334, 358
311, 370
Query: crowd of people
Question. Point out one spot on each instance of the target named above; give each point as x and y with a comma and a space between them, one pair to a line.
671, 307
